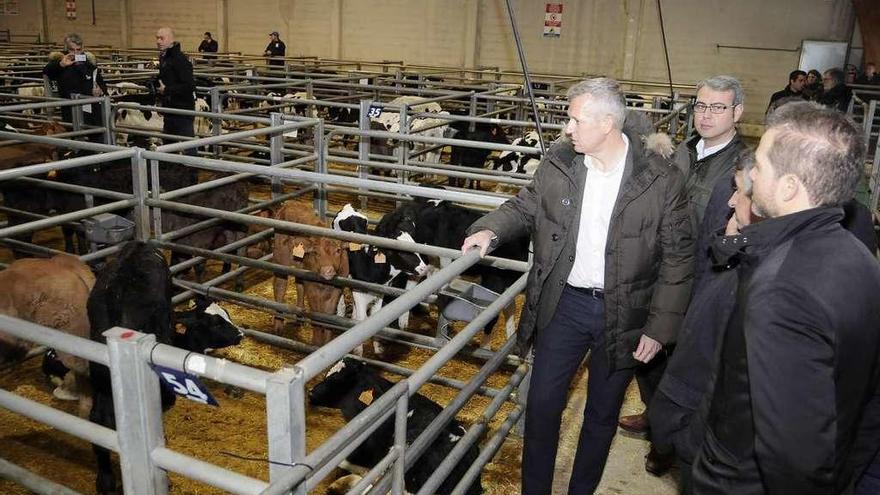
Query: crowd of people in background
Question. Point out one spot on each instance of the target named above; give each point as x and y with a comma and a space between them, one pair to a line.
831, 89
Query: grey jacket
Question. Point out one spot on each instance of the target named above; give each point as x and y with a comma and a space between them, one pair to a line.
649, 252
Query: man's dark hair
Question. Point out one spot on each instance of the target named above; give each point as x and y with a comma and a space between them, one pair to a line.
795, 73
822, 147
208, 34
836, 74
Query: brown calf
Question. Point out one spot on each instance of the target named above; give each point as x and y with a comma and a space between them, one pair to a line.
323, 256
17, 155
50, 292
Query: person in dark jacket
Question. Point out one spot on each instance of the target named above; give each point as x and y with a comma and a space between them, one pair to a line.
796, 81
706, 160
835, 93
813, 88
208, 46
76, 72
794, 406
275, 48
869, 76
176, 85
611, 273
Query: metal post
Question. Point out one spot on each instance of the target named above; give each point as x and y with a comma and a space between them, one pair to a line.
521, 396
76, 113
398, 483
216, 123
138, 409
139, 189
107, 119
673, 124
364, 146
403, 151
286, 422
156, 190
320, 202
473, 111
276, 144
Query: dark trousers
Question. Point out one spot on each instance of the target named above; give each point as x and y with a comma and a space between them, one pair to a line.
180, 125
577, 326
648, 378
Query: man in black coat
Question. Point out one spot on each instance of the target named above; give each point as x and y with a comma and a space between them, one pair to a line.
796, 81
76, 72
836, 94
208, 46
176, 85
275, 48
795, 407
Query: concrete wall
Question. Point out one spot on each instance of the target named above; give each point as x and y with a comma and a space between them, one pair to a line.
619, 38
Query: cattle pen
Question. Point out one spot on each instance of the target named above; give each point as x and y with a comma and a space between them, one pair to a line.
290, 151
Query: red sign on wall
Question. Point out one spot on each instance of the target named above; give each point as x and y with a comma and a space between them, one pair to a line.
553, 20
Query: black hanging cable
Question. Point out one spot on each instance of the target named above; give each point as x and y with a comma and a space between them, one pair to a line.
525, 69
666, 51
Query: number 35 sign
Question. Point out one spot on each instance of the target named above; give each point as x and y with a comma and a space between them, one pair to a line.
185, 385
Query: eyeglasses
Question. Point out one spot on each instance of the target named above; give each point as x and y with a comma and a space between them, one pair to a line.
714, 108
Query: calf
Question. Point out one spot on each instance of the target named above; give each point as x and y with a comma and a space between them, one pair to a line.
134, 291
443, 224
376, 265
50, 292
518, 162
473, 157
228, 197
37, 200
143, 120
351, 386
320, 255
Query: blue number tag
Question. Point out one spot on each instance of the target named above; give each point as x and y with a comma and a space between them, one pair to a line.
185, 385
374, 112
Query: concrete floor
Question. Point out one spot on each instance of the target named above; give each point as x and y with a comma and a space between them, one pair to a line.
625, 472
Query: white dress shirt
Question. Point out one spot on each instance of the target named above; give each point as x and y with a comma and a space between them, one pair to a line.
600, 195
703, 151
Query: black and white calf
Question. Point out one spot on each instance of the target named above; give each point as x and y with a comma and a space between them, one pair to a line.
473, 157
377, 265
515, 161
351, 386
134, 291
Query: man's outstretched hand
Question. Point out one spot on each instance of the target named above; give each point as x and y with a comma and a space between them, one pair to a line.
482, 239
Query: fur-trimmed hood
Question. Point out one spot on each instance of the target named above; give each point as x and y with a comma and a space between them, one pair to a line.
57, 56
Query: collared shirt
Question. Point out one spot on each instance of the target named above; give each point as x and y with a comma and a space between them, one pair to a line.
600, 195
703, 151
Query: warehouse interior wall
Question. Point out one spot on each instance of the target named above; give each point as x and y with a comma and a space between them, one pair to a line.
755, 40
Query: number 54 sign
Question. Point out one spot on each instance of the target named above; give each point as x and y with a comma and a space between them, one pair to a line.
185, 385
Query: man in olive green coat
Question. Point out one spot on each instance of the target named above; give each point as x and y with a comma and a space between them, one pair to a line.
613, 254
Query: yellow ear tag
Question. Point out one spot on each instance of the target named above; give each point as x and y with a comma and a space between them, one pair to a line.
180, 328
366, 396
299, 251
353, 246
380, 258
53, 174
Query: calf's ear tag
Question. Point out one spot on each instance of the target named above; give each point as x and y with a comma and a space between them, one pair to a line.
353, 246
180, 328
366, 396
380, 258
299, 251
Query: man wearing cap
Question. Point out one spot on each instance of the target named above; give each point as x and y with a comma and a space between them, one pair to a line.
275, 48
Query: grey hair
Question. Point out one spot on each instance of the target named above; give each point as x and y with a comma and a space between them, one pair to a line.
837, 75
73, 38
822, 147
724, 83
606, 96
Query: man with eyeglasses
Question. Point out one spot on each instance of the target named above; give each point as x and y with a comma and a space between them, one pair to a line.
707, 160
611, 274
796, 81
836, 93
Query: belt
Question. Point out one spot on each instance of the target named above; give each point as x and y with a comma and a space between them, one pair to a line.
590, 291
